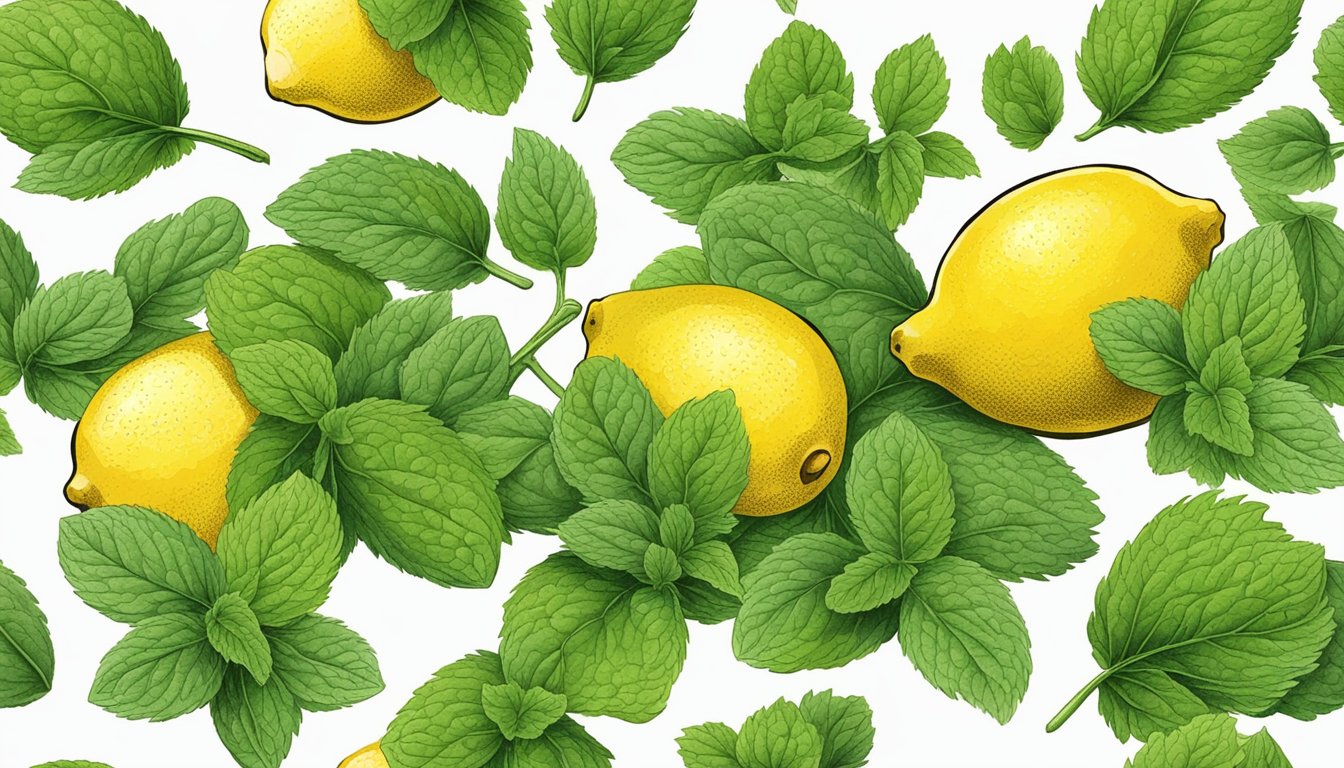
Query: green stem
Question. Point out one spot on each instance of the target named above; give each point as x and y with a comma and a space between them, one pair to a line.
255, 154
585, 99
1077, 701
512, 278
1100, 126
567, 312
546, 378
1337, 150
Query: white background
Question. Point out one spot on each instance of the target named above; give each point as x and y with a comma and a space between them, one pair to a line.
417, 627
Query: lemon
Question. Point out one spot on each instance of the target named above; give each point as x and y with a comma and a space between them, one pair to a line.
368, 757
161, 433
690, 341
1007, 328
326, 54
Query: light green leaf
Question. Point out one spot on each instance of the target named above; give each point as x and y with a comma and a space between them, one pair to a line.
27, 660
900, 178
324, 664
547, 216
817, 133
685, 265
1141, 343
480, 56
1322, 691
162, 669
9, 444
405, 21
713, 563
445, 722
234, 632
290, 379
604, 428
699, 457
899, 491
522, 714
1205, 741
464, 365
845, 724
612, 534
779, 736
911, 89
945, 156
256, 723
18, 275
1023, 93
371, 365
273, 450
869, 583
79, 317
802, 62
712, 745
1287, 151
1329, 58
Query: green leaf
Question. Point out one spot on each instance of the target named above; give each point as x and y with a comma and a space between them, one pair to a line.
788, 6
273, 450
9, 444
1216, 407
900, 178
62, 392
1023, 93
818, 255
279, 293
676, 529
256, 723
464, 365
281, 552
802, 62
1287, 151
565, 743
845, 724
1207, 740
612, 646
713, 562
371, 366
1198, 634
852, 178
712, 745
899, 491
604, 428
547, 216
612, 534
963, 632
784, 624
165, 263
1322, 691
869, 583
522, 714
406, 21
79, 317
685, 265
290, 379
817, 133
233, 631
324, 664
413, 492
401, 218
73, 764
661, 567
1329, 76
1141, 343
1318, 249
95, 124
945, 156
27, 661
1263, 752
1159, 67
778, 736
1297, 447
480, 56
18, 275
699, 457
683, 158
445, 722
133, 564
163, 669
1251, 292
911, 89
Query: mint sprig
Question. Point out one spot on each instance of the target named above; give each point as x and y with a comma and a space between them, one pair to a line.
235, 629
27, 660
822, 730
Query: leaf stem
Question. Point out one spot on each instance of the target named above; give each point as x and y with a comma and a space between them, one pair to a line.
587, 98
1077, 701
1100, 126
255, 154
566, 311
512, 278
1337, 150
546, 378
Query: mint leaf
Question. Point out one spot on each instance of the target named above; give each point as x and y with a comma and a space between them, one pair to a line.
900, 178
963, 632
73, 764
945, 156
440, 520
699, 457
661, 566
9, 444
565, 743
256, 723
522, 714
1287, 151
445, 722
683, 158
1329, 57
1263, 752
424, 226
784, 624
324, 664
79, 317
676, 529
371, 365
1160, 627
281, 552
164, 668
547, 216
1162, 67
899, 491
234, 632
685, 265
133, 564
869, 583
479, 58
1251, 292
911, 89
788, 6
612, 534
1322, 690
604, 428
18, 275
713, 563
779, 736
120, 114
607, 41
1023, 93
612, 646
1318, 249
290, 379
845, 724
279, 293
1297, 445
1141, 343
27, 661
1216, 408
854, 179
165, 262
712, 745
273, 450
464, 365
802, 62
1206, 740
1171, 447
817, 133
406, 21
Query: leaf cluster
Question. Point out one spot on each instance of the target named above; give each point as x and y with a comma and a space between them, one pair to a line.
821, 731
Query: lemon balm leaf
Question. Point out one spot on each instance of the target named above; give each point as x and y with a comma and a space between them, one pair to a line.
256, 723
1329, 58
845, 724
946, 156
445, 721
27, 660
779, 735
164, 668
1322, 691
1287, 151
404, 22
370, 365
547, 216
684, 265
289, 379
480, 56
273, 450
911, 88
234, 631
1206, 740
1141, 344
79, 317
462, 366
604, 428
899, 491
802, 62
323, 663
699, 457
522, 714
1023, 93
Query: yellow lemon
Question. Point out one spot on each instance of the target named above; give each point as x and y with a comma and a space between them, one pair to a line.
326, 54
689, 341
368, 757
161, 433
1007, 328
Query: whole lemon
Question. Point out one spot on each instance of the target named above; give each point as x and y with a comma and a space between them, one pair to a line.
326, 54
161, 433
368, 757
1007, 328
689, 341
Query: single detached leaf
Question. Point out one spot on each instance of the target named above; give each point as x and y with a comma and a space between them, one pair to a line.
945, 156
256, 723
1023, 93
1286, 151
371, 366
845, 724
480, 56
1162, 66
779, 736
699, 457
604, 428
464, 365
162, 669
27, 660
911, 89
406, 21
547, 216
522, 714
445, 722
1330, 67
963, 632
684, 265
234, 632
1141, 343
324, 664
290, 379
802, 62
79, 317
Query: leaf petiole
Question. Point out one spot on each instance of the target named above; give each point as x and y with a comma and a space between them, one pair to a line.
541, 373
1100, 126
1077, 701
512, 278
586, 99
566, 311
255, 154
